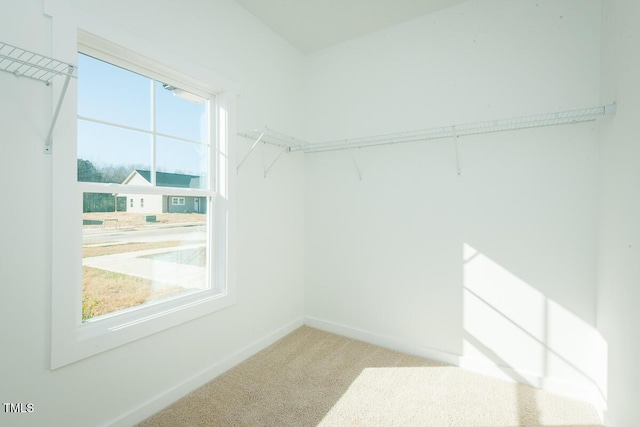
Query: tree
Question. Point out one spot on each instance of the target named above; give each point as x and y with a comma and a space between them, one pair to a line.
115, 173
87, 172
93, 202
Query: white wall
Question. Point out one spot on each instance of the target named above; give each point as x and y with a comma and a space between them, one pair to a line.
618, 291
497, 266
413, 255
269, 248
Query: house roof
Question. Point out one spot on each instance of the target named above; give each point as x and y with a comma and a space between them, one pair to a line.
165, 179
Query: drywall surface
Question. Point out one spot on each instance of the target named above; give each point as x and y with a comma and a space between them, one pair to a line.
619, 266
125, 383
495, 266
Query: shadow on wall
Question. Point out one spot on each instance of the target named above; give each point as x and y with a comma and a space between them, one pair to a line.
514, 331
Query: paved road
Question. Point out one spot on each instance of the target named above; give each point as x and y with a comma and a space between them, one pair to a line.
155, 234
163, 266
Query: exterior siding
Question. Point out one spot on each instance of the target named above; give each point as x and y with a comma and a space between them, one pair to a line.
191, 204
144, 203
149, 204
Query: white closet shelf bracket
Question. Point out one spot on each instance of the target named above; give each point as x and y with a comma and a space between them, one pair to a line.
253, 147
24, 63
266, 171
271, 137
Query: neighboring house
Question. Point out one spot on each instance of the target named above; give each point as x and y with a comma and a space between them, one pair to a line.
147, 203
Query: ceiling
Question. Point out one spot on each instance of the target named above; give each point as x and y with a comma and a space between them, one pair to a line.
310, 25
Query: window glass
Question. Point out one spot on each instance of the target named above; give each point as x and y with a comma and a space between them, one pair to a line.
180, 113
110, 153
184, 158
113, 94
130, 260
136, 132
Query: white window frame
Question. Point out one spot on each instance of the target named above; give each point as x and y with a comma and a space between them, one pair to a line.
177, 201
71, 339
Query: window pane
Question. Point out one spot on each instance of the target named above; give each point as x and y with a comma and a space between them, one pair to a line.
140, 253
180, 113
186, 160
110, 154
112, 94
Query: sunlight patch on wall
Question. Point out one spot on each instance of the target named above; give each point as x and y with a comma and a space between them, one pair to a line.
531, 339
503, 316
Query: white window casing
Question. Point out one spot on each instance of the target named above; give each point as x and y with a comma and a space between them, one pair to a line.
73, 340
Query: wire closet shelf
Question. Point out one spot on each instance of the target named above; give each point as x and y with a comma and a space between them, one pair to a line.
550, 119
24, 63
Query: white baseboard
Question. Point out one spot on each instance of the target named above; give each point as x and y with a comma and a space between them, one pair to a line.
169, 396
383, 341
586, 392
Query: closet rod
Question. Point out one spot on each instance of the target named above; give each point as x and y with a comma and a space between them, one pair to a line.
542, 120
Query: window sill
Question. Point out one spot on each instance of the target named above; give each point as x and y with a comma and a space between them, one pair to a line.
108, 332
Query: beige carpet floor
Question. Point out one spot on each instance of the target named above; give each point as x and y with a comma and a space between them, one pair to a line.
312, 378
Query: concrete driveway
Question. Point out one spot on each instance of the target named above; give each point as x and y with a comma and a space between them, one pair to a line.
165, 267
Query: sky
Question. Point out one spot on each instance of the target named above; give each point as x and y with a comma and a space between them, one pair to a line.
115, 95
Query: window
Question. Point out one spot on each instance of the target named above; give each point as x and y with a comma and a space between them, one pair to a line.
144, 135
138, 132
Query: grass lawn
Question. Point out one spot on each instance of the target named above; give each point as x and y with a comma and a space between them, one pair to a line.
105, 292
